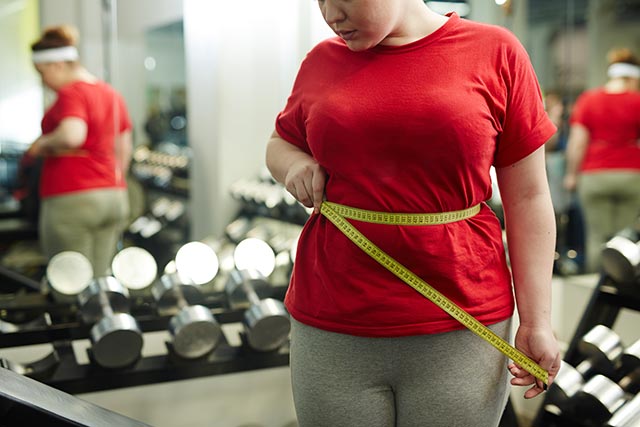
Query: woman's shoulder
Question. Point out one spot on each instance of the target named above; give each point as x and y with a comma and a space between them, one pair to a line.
491, 40
83, 86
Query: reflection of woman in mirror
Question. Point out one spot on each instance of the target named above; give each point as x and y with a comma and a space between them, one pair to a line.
603, 154
86, 145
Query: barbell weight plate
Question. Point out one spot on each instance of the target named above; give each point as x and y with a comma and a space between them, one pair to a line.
69, 272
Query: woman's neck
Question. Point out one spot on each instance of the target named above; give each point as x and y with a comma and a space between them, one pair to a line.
80, 74
421, 21
617, 85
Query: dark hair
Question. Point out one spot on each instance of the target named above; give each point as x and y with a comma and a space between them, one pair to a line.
53, 37
623, 55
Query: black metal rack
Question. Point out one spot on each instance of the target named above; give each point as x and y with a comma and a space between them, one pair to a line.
603, 308
56, 323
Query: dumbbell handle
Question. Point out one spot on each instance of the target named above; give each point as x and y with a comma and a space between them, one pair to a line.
102, 298
252, 296
181, 301
630, 381
105, 305
585, 367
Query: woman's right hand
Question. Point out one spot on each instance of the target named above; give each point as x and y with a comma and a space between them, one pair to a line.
305, 180
297, 170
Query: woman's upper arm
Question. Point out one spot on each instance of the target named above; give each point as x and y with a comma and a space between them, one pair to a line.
523, 179
73, 131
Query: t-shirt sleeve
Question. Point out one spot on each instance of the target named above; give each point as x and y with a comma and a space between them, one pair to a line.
525, 126
578, 115
125, 123
70, 104
290, 122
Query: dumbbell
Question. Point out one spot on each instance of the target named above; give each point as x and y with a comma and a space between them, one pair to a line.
254, 254
266, 322
601, 396
67, 274
628, 415
115, 336
621, 256
134, 267
194, 330
265, 236
602, 349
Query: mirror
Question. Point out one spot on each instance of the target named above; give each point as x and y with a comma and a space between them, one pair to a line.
164, 63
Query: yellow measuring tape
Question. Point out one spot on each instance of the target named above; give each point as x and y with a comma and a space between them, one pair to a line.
337, 214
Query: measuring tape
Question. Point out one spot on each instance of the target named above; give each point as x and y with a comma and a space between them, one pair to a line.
337, 214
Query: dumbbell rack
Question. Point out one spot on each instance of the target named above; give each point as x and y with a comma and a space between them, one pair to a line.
603, 308
57, 324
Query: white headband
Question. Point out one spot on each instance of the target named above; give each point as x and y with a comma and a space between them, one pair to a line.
623, 69
58, 54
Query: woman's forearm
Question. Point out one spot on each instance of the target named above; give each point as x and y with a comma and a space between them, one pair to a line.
281, 155
530, 227
531, 236
299, 172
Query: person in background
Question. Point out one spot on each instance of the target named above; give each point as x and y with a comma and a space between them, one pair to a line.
555, 108
86, 145
556, 165
603, 154
403, 113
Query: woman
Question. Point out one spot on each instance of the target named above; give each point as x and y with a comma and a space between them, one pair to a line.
603, 154
405, 111
86, 145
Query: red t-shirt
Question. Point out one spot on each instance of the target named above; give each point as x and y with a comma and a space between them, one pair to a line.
412, 128
105, 113
613, 122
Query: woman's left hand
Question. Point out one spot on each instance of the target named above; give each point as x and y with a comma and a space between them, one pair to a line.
541, 346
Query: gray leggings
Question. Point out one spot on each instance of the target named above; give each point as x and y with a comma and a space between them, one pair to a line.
610, 202
450, 379
89, 222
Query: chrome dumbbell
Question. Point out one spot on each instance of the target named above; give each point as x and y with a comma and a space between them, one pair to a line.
68, 273
254, 253
602, 349
601, 397
115, 336
194, 330
621, 257
135, 268
628, 415
266, 321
